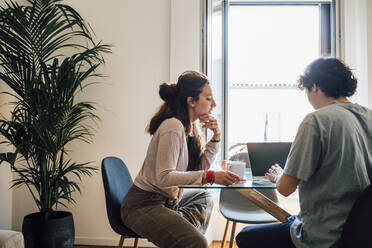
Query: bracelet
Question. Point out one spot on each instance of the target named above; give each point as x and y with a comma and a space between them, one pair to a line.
215, 141
204, 178
209, 176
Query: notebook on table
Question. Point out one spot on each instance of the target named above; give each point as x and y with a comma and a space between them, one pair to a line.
263, 155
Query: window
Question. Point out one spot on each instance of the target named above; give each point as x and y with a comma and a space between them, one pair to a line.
255, 53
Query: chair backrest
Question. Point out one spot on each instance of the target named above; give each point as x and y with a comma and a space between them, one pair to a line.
356, 231
116, 182
241, 156
232, 201
264, 154
233, 197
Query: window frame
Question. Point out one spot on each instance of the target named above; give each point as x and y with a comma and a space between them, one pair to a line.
327, 43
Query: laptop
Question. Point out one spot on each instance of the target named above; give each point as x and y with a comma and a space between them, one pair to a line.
264, 154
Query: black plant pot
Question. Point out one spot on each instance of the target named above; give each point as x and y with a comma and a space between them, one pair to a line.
56, 232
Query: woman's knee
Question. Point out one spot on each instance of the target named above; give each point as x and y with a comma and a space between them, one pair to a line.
203, 243
188, 239
197, 242
209, 199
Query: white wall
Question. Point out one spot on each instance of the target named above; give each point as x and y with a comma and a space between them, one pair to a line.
185, 37
5, 175
5, 198
142, 58
357, 45
140, 33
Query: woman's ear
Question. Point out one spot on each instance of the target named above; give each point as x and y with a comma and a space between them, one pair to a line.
190, 101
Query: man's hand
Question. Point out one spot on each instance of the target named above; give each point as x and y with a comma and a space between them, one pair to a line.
274, 173
285, 184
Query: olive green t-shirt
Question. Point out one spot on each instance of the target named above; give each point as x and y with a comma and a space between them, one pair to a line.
332, 157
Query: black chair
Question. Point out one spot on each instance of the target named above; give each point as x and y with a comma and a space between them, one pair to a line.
356, 231
116, 182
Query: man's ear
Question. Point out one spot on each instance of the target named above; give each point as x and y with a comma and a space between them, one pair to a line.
190, 101
315, 88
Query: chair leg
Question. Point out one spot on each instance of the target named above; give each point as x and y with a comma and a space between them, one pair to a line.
136, 243
225, 234
232, 235
121, 242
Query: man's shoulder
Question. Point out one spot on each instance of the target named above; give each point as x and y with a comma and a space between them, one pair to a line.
340, 116
342, 110
328, 112
321, 116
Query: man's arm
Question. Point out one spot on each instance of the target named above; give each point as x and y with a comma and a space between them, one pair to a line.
286, 184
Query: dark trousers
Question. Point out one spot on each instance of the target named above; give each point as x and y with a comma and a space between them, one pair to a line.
266, 235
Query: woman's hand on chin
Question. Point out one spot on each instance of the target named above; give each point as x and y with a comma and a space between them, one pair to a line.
208, 121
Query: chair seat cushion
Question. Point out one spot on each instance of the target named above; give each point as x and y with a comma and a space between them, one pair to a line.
258, 216
235, 207
11, 239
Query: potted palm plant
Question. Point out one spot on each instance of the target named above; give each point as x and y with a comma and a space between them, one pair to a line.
45, 116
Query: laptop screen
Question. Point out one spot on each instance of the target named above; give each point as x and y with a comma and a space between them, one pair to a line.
263, 155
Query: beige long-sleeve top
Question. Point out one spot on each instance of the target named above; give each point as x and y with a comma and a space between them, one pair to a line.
166, 161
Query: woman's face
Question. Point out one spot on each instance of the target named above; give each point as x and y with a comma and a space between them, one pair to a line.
204, 105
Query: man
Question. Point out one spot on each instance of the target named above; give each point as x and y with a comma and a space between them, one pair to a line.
330, 162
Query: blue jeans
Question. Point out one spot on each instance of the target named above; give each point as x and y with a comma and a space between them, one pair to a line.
266, 235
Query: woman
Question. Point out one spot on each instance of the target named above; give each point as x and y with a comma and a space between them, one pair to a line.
155, 207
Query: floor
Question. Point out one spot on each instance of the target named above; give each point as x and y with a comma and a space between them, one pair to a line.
215, 244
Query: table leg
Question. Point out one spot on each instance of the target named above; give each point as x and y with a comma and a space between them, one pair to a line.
265, 203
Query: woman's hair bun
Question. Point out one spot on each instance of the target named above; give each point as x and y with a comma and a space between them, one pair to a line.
167, 92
